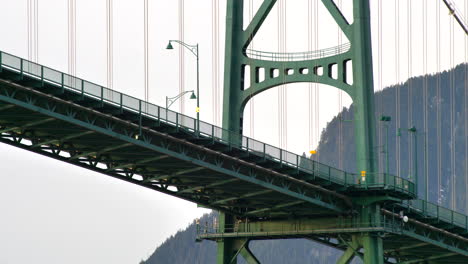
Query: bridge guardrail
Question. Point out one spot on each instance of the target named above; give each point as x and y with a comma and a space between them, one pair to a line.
435, 211
254, 147
297, 56
246, 228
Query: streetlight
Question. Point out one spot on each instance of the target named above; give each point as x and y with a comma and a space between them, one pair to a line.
194, 50
386, 119
171, 100
413, 130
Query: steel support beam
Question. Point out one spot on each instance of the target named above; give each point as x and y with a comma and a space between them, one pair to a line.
175, 174
31, 124
61, 140
100, 151
436, 257
128, 165
241, 197
401, 249
189, 190
264, 210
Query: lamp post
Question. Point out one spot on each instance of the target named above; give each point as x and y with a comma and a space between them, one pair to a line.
413, 130
194, 50
171, 100
386, 119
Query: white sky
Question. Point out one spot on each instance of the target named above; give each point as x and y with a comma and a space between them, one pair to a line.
56, 213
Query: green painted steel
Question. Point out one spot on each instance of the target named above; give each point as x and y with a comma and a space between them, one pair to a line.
75, 121
319, 70
404, 241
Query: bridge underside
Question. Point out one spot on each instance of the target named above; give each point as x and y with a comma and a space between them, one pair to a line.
108, 139
90, 132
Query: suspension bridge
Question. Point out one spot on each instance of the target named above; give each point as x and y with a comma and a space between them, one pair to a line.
261, 191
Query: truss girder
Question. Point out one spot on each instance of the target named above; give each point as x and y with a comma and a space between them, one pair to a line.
121, 134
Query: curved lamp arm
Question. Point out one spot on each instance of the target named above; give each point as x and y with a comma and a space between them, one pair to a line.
171, 100
193, 48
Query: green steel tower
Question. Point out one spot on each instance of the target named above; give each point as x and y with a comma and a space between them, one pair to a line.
330, 69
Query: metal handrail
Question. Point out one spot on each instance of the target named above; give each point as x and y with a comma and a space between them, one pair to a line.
297, 56
254, 147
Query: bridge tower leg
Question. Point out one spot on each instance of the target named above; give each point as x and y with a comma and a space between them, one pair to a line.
361, 91
230, 248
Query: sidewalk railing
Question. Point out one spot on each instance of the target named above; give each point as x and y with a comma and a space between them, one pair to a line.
254, 147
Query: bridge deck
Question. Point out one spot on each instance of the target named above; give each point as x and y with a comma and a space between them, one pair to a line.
72, 120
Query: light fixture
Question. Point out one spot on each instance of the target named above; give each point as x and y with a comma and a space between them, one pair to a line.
169, 46
193, 96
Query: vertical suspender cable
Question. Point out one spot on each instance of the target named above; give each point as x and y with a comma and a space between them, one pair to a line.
317, 91
340, 104
110, 44
182, 53
36, 29
397, 77
410, 91
146, 49
285, 90
282, 98
33, 29
309, 90
379, 71
425, 100
452, 117
279, 4
466, 113
252, 108
72, 37
215, 62
438, 100
28, 8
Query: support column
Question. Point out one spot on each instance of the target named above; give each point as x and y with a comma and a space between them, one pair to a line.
364, 120
226, 249
233, 75
371, 242
230, 248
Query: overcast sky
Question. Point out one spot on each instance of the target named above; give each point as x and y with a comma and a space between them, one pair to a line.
52, 212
